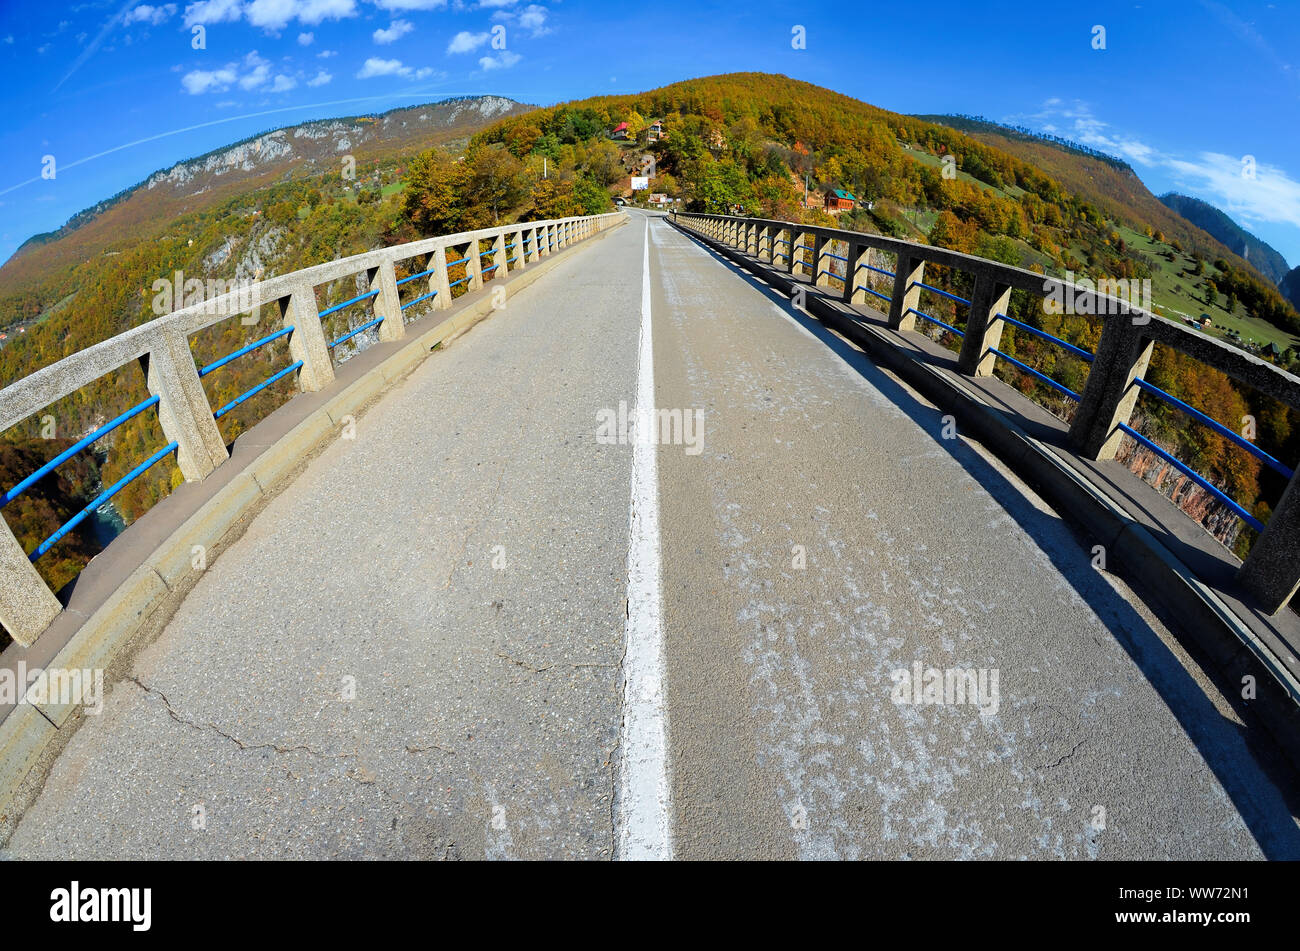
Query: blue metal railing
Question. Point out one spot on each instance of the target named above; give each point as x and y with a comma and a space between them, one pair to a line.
412, 277
102, 498
878, 270
935, 320
352, 333
1077, 351
863, 287
939, 291
72, 450
248, 394
1195, 476
348, 303
218, 364
412, 303
1218, 427
1038, 374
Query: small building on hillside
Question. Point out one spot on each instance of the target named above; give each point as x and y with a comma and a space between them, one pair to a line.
655, 131
838, 200
620, 131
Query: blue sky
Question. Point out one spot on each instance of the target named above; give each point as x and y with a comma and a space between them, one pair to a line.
1190, 92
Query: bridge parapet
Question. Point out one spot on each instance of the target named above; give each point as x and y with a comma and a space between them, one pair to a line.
1103, 413
174, 378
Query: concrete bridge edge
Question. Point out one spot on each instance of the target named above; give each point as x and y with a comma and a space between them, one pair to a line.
34, 734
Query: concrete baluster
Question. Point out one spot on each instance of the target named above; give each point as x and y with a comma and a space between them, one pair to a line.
388, 304
983, 326
307, 342
909, 272
1122, 357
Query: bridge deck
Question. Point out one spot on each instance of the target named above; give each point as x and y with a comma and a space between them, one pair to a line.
463, 559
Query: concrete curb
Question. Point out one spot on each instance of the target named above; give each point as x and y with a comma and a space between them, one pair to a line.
1224, 645
32, 736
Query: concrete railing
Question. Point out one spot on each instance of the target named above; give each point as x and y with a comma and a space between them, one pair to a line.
1271, 571
161, 347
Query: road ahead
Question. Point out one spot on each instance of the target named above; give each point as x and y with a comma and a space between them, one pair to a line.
419, 648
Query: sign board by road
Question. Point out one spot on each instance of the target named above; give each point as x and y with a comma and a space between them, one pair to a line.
640, 183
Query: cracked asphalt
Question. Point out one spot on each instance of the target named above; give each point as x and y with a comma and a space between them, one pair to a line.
415, 650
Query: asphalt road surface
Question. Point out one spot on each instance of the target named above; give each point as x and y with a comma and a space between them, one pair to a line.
502, 622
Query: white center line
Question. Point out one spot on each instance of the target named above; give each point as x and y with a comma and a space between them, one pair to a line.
643, 823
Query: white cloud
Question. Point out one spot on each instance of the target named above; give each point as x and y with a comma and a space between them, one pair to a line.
326, 54
145, 13
405, 5
259, 71
199, 81
503, 60
396, 30
466, 42
248, 75
212, 11
531, 18
276, 14
320, 79
306, 39
283, 83
375, 66
1271, 195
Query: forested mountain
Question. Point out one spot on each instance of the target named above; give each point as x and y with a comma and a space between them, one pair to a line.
1262, 256
1289, 287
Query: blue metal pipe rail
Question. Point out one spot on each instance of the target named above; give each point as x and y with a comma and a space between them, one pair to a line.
352, 333
1195, 476
348, 303
100, 499
247, 394
218, 364
414, 276
72, 450
861, 287
1077, 351
422, 297
1217, 426
939, 291
936, 320
1060, 388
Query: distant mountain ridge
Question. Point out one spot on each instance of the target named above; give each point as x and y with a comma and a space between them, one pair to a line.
973, 124
1106, 180
1289, 287
190, 185
1205, 216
